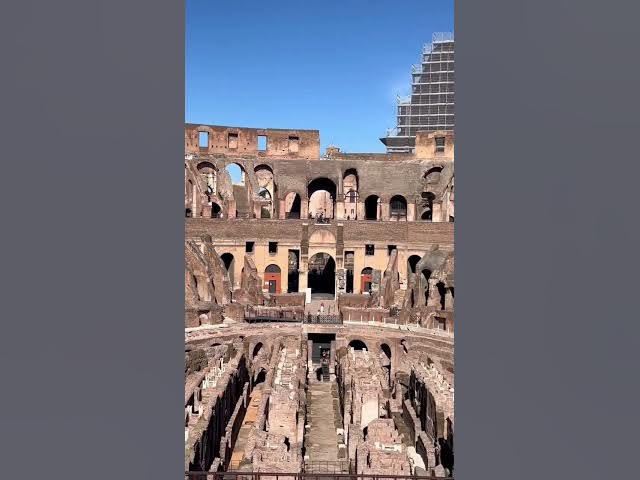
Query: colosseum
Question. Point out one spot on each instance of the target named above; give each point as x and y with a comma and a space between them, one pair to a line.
319, 293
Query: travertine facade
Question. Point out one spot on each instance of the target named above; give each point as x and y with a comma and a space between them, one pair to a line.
318, 304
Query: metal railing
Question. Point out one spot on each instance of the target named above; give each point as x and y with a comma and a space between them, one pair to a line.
323, 318
257, 316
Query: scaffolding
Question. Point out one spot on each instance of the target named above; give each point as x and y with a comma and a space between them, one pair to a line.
430, 106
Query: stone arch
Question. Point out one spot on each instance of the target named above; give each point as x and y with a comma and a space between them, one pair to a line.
321, 276
263, 166
206, 167
260, 377
398, 207
321, 193
256, 349
229, 263
386, 349
292, 205
237, 173
386, 364
216, 210
426, 276
433, 174
442, 292
350, 182
426, 203
372, 207
273, 278
209, 175
266, 190
358, 344
412, 261
366, 280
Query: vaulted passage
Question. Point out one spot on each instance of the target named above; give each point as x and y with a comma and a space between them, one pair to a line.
322, 274
371, 207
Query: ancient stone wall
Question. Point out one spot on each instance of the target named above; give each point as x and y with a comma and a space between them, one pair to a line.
232, 141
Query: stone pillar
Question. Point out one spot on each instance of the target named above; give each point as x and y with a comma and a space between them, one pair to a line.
411, 212
310, 358
196, 400
436, 214
384, 211
360, 211
332, 358
448, 299
302, 278
304, 208
379, 211
340, 211
194, 202
434, 295
282, 213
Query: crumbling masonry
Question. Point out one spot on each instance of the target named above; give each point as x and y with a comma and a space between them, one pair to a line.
319, 294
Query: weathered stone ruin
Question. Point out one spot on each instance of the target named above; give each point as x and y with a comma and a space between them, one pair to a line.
318, 305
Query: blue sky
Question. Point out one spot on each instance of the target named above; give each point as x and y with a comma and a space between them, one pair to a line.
330, 65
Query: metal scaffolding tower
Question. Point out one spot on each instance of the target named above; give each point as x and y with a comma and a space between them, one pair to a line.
430, 106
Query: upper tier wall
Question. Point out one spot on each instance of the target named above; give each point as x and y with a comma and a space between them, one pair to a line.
232, 141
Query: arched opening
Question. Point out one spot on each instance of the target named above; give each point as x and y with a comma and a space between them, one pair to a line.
292, 205
236, 172
432, 175
229, 263
398, 207
188, 213
266, 190
386, 364
293, 271
366, 280
427, 204
358, 345
208, 174
442, 292
272, 278
351, 205
322, 194
256, 349
404, 345
411, 264
426, 273
371, 207
350, 189
215, 210
322, 275
260, 378
266, 205
349, 258
386, 349
264, 168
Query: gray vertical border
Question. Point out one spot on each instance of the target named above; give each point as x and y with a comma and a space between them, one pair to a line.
91, 355
546, 239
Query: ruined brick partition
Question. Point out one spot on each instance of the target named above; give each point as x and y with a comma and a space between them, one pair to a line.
274, 228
